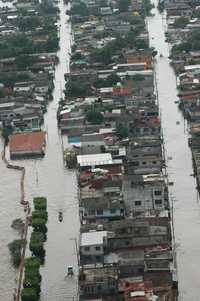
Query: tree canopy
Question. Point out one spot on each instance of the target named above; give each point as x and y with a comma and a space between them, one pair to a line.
94, 117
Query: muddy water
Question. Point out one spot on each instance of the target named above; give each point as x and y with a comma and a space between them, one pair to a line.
48, 177
186, 203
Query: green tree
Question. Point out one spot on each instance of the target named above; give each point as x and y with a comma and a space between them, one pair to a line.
122, 132
40, 214
39, 224
94, 117
24, 61
15, 251
124, 5
29, 294
37, 244
113, 79
80, 9
6, 132
40, 203
181, 22
32, 263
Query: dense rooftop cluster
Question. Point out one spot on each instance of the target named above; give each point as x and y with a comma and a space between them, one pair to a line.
28, 45
111, 116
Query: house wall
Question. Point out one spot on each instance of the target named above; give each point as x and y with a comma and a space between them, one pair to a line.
118, 243
101, 213
144, 198
92, 250
98, 288
94, 147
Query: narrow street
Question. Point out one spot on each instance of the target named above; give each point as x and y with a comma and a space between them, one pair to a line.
186, 202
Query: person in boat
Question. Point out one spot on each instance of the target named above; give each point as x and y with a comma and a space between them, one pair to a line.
60, 216
70, 271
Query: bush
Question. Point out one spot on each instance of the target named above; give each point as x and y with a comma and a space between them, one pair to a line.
15, 250
29, 294
39, 225
40, 214
32, 281
32, 263
33, 273
40, 203
37, 244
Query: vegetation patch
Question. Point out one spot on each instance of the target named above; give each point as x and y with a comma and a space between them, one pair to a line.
15, 251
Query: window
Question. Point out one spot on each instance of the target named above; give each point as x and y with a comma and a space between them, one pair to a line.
135, 163
158, 192
158, 202
112, 211
97, 248
99, 211
91, 212
87, 249
144, 163
98, 258
138, 203
154, 162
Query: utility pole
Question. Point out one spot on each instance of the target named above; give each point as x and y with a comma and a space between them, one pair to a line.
77, 250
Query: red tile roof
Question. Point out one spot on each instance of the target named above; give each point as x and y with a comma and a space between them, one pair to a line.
27, 141
121, 91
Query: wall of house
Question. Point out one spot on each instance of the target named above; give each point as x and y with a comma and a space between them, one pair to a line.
144, 198
94, 147
94, 289
102, 213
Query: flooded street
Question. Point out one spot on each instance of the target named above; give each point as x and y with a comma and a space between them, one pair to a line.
47, 177
186, 203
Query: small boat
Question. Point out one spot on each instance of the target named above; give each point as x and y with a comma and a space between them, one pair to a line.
70, 271
60, 216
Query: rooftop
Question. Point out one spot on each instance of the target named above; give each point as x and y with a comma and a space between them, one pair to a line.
26, 141
92, 238
96, 159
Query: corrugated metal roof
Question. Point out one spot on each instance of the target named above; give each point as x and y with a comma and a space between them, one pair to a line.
94, 159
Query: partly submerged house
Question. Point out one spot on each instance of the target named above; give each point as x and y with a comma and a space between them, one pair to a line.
27, 144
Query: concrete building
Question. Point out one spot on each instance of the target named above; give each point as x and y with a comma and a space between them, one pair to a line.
92, 246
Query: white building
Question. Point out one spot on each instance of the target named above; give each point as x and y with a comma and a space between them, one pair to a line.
92, 246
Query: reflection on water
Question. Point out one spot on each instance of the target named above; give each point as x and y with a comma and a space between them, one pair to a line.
186, 204
47, 177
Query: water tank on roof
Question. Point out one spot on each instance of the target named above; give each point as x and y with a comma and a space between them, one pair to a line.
99, 227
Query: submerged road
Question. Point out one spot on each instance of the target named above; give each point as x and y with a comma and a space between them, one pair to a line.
186, 201
47, 177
